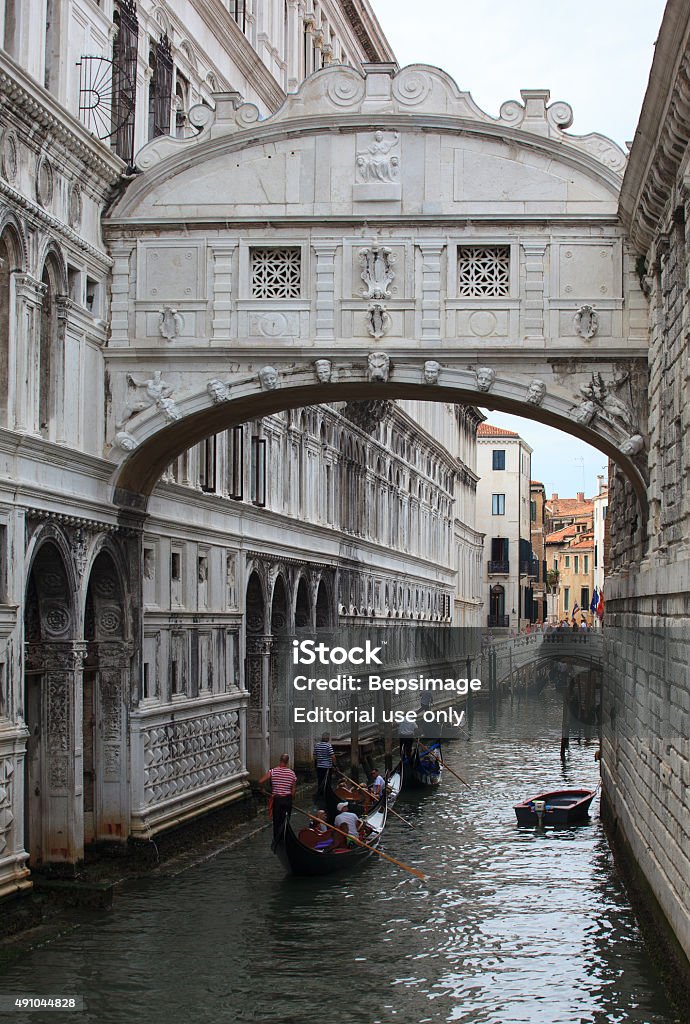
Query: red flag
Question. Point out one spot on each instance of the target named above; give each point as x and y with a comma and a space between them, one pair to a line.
600, 606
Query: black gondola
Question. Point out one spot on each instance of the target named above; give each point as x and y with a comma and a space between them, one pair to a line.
300, 859
425, 763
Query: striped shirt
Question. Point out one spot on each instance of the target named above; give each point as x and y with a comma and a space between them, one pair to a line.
323, 754
282, 781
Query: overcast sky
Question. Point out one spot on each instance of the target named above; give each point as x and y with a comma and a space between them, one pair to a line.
595, 54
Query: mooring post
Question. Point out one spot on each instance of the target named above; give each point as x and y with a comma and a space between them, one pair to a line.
565, 725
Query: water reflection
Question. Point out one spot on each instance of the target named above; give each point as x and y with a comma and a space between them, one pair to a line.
512, 924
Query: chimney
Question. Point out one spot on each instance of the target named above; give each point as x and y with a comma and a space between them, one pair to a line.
580, 495
554, 496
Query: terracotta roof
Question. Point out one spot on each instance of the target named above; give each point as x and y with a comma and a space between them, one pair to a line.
558, 536
487, 430
583, 540
569, 506
536, 483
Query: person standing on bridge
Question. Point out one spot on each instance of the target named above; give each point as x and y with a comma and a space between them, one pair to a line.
283, 789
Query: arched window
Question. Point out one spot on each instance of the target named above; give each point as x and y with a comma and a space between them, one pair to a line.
9, 250
48, 361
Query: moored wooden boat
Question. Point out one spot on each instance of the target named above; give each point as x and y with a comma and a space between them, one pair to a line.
561, 807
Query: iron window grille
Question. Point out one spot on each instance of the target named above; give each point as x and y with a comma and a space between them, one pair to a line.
259, 471
238, 11
160, 89
125, 50
236, 463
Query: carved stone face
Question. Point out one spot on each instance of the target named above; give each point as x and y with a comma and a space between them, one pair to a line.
323, 370
485, 378
217, 390
632, 445
378, 364
585, 412
268, 375
431, 371
125, 441
536, 392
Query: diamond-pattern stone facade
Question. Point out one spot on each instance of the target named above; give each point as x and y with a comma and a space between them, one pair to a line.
190, 754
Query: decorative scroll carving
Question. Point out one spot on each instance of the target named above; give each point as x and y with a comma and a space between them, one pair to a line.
378, 320
377, 271
586, 322
170, 323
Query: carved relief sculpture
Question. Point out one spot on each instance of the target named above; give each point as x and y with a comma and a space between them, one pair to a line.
485, 378
378, 367
323, 370
632, 445
170, 323
218, 391
609, 407
536, 392
377, 273
378, 164
586, 322
378, 320
584, 412
432, 369
125, 441
268, 376
157, 393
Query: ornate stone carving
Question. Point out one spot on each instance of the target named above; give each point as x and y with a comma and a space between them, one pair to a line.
170, 323
81, 542
584, 412
608, 406
378, 163
323, 369
125, 441
368, 415
632, 445
432, 369
377, 271
44, 182
190, 754
268, 376
219, 391
485, 376
378, 320
9, 156
74, 206
535, 392
158, 394
378, 366
586, 322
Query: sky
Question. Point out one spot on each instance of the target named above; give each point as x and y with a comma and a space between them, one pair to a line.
594, 54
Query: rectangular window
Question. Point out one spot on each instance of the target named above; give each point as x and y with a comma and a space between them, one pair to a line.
566, 599
596, 556
483, 270
577, 564
125, 46
555, 565
207, 464
236, 463
604, 511
237, 11
92, 300
498, 504
499, 459
585, 559
175, 565
276, 273
258, 481
584, 599
533, 511
567, 561
160, 89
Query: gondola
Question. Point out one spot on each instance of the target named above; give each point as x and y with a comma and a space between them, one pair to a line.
560, 807
312, 857
423, 765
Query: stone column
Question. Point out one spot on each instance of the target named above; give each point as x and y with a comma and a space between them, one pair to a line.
533, 303
325, 289
113, 659
431, 288
120, 288
59, 382
29, 295
257, 681
223, 255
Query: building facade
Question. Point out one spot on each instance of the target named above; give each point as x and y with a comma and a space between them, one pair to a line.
344, 514
537, 524
503, 516
600, 507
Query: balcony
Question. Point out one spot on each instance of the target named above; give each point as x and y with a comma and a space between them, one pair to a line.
530, 568
499, 568
495, 621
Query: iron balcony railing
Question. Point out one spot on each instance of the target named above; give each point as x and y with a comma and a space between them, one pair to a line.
500, 567
530, 567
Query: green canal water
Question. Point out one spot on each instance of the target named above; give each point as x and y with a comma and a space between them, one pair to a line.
512, 925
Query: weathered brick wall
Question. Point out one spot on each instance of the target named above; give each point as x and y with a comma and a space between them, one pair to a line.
646, 713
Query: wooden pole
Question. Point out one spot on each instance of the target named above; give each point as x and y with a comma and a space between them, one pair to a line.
448, 769
372, 849
565, 724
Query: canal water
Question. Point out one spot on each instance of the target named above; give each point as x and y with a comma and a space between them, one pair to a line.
512, 925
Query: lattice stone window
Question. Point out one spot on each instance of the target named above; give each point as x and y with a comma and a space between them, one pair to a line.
276, 273
483, 270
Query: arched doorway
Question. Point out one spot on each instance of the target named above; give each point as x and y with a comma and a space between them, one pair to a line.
323, 607
256, 674
106, 685
302, 606
497, 606
279, 724
52, 711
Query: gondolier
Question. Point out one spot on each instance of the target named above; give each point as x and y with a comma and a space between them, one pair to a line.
283, 788
324, 759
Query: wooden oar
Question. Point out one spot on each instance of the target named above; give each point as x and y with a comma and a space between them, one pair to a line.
357, 786
372, 849
448, 769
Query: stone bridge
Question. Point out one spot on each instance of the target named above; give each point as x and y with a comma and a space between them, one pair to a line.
514, 654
